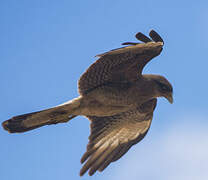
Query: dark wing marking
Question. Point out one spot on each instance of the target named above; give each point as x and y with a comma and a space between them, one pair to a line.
140, 36
122, 65
155, 36
129, 43
111, 137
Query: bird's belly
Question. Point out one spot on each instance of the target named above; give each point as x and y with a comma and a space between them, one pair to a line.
108, 101
100, 110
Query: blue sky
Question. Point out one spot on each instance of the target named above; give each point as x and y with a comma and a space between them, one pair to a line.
46, 46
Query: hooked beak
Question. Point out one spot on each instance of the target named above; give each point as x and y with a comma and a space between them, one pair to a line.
169, 97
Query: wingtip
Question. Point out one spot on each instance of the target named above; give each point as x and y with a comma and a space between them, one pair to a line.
82, 172
151, 31
91, 172
140, 36
155, 36
82, 160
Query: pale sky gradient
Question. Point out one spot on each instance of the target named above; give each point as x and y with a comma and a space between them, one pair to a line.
46, 46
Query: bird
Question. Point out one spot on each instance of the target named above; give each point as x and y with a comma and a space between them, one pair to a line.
117, 98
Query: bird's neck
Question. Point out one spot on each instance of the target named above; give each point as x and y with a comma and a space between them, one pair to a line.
150, 86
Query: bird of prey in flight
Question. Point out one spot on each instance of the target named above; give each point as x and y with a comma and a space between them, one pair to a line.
115, 96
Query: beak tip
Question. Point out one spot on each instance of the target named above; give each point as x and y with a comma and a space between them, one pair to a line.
170, 99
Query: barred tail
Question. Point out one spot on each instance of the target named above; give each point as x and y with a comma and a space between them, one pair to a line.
26, 122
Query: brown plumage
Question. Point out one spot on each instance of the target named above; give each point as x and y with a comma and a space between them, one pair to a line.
117, 99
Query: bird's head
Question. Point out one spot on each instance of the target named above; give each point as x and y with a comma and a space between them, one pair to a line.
163, 88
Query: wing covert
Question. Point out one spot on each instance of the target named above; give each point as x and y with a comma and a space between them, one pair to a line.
122, 65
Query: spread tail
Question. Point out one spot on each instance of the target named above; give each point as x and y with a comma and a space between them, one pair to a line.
59, 114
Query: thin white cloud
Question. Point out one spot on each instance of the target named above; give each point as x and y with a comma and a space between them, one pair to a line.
179, 153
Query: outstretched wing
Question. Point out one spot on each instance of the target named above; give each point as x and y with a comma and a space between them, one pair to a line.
111, 137
121, 65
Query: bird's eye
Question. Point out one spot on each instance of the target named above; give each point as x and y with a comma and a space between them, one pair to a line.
164, 88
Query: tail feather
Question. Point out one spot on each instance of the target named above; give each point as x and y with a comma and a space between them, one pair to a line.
26, 122
16, 124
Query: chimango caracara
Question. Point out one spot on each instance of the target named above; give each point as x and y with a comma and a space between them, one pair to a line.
115, 96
